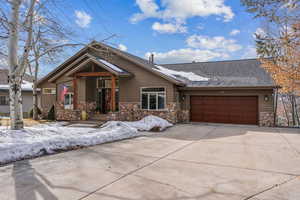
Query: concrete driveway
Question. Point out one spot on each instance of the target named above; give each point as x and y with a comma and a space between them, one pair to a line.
185, 162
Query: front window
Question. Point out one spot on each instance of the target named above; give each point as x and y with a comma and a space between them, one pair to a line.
4, 100
68, 101
153, 98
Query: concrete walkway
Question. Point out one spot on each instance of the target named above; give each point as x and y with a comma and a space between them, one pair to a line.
185, 162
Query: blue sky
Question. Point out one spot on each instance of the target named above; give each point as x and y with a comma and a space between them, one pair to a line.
174, 30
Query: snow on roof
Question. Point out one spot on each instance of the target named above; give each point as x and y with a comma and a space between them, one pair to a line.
26, 86
112, 66
191, 76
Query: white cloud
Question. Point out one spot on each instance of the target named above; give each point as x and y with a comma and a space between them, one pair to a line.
169, 28
217, 43
185, 55
235, 32
250, 52
148, 9
260, 32
82, 19
181, 10
122, 47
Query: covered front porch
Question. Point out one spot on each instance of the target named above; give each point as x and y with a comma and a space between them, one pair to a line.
92, 93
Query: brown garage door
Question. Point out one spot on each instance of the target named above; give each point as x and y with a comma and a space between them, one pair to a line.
224, 109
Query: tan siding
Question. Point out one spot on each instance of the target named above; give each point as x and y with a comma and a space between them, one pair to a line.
130, 87
90, 89
81, 84
47, 100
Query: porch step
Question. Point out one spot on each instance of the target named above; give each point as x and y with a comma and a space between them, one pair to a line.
85, 124
98, 117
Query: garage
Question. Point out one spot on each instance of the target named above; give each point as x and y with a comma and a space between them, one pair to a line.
224, 109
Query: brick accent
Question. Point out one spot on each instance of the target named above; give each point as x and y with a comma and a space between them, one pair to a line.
266, 119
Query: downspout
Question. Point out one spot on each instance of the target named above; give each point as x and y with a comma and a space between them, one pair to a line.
275, 105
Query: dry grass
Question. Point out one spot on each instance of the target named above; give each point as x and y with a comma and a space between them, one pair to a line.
27, 122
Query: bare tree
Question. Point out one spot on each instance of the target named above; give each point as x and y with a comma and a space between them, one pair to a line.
17, 65
278, 46
49, 40
31, 26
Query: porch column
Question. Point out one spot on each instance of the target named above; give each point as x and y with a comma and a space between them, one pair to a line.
75, 92
113, 93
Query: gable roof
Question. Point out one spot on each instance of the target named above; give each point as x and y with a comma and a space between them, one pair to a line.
106, 65
234, 73
137, 60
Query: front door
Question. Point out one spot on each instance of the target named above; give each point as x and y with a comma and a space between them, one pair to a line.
104, 99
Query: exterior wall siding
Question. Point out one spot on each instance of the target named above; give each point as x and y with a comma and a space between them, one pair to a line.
27, 104
47, 100
130, 87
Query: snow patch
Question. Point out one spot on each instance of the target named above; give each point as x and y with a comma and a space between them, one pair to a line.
150, 122
175, 74
112, 66
26, 86
49, 138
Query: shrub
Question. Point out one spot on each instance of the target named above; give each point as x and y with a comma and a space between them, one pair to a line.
51, 114
31, 112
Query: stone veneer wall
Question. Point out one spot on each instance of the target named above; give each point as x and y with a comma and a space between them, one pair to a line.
266, 119
66, 114
132, 112
89, 107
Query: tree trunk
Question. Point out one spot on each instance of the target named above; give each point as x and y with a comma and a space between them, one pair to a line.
285, 111
292, 102
15, 96
35, 100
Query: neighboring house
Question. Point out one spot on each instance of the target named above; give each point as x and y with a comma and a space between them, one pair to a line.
238, 92
4, 94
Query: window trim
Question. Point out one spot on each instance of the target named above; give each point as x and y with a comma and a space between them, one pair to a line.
52, 89
165, 100
69, 106
6, 100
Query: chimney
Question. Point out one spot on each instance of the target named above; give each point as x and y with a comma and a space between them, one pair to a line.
151, 58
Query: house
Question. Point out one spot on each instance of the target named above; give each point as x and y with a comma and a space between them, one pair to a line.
110, 84
4, 93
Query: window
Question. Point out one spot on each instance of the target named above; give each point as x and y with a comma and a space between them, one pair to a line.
153, 98
68, 101
4, 100
49, 91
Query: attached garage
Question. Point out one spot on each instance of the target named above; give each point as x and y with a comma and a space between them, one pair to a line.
224, 109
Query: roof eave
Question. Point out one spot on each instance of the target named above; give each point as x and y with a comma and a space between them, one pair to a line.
142, 65
61, 65
229, 87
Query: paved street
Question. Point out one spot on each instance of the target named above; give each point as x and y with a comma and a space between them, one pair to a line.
185, 162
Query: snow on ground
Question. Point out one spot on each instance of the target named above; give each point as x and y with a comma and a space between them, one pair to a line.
187, 75
149, 122
48, 138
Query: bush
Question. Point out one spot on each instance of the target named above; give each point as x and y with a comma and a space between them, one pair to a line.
51, 114
31, 112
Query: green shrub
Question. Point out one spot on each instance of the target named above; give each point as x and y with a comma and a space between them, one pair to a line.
51, 114
31, 112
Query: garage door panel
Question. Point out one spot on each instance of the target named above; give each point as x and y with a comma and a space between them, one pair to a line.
225, 109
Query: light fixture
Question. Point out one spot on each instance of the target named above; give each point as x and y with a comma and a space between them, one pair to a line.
266, 98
